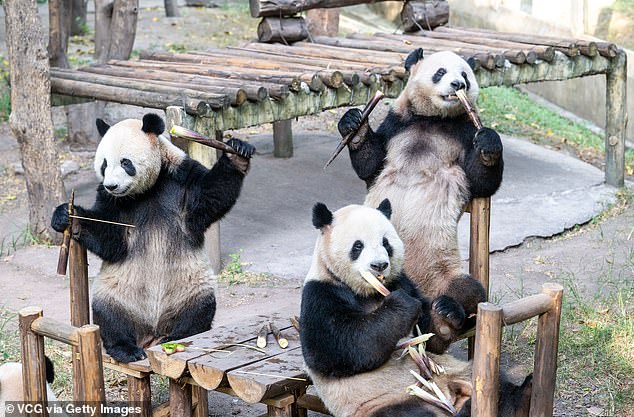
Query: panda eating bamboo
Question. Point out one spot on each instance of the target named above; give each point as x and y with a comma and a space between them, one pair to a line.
154, 284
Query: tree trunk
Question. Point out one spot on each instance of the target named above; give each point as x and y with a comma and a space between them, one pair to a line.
31, 120
171, 8
323, 22
78, 17
103, 19
123, 28
424, 15
59, 17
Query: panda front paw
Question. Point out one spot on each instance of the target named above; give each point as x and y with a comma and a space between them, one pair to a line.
126, 353
405, 301
350, 122
60, 219
488, 145
450, 310
244, 149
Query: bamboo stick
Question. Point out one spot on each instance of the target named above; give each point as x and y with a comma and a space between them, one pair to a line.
129, 95
261, 340
33, 368
62, 261
486, 361
277, 334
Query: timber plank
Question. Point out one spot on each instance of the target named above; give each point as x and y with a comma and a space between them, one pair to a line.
209, 370
269, 378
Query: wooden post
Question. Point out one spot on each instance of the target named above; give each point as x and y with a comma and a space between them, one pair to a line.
33, 368
91, 365
283, 139
79, 302
176, 116
201, 396
486, 361
616, 106
480, 224
140, 394
545, 372
180, 399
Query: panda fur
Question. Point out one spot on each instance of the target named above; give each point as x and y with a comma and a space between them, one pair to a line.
154, 284
349, 332
429, 160
11, 385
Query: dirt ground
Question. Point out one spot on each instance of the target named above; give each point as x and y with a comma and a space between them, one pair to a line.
586, 260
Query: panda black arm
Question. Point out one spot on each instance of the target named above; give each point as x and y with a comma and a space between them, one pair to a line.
403, 282
211, 193
484, 164
340, 338
104, 240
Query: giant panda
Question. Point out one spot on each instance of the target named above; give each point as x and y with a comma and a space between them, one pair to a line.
11, 385
349, 332
154, 284
429, 160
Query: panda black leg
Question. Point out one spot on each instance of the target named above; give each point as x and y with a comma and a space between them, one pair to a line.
117, 331
194, 318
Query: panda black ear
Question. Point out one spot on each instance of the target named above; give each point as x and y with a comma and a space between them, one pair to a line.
413, 58
386, 208
321, 216
102, 127
152, 123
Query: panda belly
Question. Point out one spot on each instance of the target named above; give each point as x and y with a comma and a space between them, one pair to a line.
159, 278
428, 190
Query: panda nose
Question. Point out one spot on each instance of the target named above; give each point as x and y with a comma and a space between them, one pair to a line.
379, 266
458, 85
111, 187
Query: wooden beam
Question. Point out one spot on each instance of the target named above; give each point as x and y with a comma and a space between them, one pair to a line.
262, 8
283, 138
180, 399
140, 394
56, 330
92, 366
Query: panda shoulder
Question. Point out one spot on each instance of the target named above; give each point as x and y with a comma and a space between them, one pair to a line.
322, 293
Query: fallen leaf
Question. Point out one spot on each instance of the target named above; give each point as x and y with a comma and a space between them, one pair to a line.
595, 411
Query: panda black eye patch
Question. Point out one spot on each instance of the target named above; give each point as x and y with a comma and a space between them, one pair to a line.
128, 167
104, 164
357, 248
388, 247
466, 80
438, 75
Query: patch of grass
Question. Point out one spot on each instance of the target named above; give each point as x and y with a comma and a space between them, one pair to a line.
235, 272
177, 48
596, 346
25, 237
511, 112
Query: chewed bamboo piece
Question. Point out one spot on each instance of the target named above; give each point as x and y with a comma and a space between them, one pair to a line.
376, 284
277, 334
378, 96
261, 340
471, 112
192, 135
438, 398
62, 262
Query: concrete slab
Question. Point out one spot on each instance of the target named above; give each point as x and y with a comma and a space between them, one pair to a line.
544, 192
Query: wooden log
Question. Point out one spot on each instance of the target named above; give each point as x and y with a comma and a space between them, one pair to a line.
92, 367
616, 119
480, 224
323, 22
103, 19
546, 344
129, 96
262, 8
79, 301
607, 49
180, 399
237, 96
56, 330
123, 28
568, 47
200, 401
291, 78
33, 363
486, 361
283, 30
417, 15
140, 394
525, 308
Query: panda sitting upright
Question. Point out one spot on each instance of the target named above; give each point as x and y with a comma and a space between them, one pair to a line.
154, 284
349, 332
429, 160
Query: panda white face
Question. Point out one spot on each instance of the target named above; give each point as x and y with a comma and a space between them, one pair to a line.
433, 82
360, 238
128, 160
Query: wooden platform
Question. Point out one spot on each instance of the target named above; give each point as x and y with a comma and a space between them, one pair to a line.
224, 359
259, 83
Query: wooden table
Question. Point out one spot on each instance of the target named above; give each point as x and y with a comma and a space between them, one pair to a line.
223, 359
